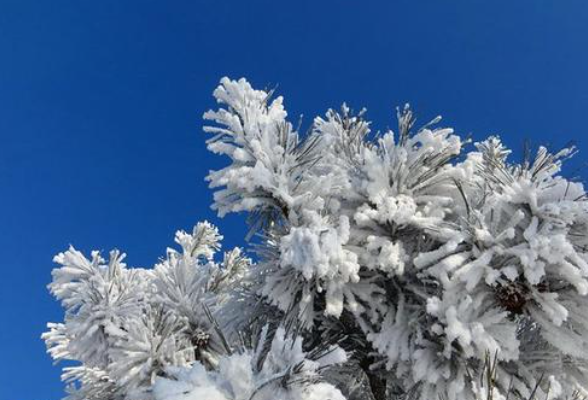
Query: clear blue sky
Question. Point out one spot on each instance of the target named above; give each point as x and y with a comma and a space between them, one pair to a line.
101, 104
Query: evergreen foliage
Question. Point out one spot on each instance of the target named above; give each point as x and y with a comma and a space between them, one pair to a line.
402, 265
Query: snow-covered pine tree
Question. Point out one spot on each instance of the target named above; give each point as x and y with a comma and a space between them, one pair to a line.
403, 265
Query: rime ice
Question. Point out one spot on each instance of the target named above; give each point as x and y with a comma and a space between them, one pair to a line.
405, 263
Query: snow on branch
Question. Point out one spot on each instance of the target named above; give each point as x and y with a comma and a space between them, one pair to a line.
407, 264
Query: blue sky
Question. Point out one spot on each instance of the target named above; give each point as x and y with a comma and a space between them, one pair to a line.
101, 103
